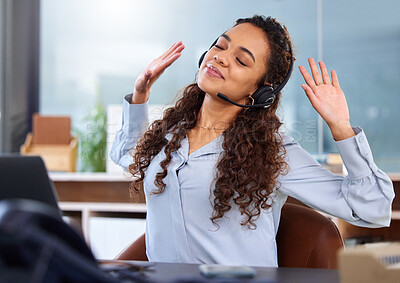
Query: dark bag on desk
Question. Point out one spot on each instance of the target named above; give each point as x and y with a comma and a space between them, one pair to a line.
36, 246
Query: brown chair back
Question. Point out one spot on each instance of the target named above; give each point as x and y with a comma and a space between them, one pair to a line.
135, 251
307, 239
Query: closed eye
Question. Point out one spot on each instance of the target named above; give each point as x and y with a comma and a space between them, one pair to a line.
240, 62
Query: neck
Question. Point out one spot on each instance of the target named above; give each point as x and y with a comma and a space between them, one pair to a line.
216, 113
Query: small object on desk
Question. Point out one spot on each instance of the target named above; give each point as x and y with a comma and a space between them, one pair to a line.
126, 271
108, 265
216, 270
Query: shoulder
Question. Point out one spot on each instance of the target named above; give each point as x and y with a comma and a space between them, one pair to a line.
288, 141
295, 155
293, 150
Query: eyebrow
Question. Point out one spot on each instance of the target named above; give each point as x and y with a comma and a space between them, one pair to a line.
240, 47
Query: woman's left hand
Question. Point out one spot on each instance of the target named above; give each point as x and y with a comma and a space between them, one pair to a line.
328, 99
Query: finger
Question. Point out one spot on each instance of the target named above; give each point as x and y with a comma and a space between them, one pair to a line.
176, 51
166, 63
307, 78
159, 69
159, 65
310, 94
172, 59
324, 72
315, 72
335, 81
171, 49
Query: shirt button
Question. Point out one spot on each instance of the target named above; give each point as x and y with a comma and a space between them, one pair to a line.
361, 139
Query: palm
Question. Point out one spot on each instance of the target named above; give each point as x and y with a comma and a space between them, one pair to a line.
154, 70
326, 97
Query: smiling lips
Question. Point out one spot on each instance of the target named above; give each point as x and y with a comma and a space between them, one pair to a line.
214, 72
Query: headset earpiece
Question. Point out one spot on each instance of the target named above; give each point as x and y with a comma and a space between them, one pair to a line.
202, 58
204, 54
264, 95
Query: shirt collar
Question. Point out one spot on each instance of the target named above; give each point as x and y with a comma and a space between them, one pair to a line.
214, 147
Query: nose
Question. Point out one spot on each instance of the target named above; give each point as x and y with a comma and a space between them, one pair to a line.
220, 59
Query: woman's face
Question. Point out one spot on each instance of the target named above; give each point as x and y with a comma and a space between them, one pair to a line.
236, 63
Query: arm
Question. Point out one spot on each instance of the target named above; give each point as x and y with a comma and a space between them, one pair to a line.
363, 198
134, 124
135, 107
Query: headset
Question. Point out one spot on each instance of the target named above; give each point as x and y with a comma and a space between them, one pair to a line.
265, 95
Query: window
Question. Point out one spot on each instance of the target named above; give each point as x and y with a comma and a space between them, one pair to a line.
93, 51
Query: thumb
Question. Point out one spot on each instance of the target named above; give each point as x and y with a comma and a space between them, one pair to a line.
148, 74
143, 80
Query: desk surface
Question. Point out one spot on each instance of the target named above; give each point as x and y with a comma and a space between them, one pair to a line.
90, 177
168, 272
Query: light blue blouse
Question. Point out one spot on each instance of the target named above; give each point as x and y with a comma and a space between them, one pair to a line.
178, 225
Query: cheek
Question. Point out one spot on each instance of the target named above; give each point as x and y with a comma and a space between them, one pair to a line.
243, 82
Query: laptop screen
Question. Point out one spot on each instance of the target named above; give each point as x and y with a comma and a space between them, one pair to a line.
26, 177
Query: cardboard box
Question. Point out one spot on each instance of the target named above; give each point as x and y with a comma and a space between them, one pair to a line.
51, 139
56, 157
370, 263
51, 129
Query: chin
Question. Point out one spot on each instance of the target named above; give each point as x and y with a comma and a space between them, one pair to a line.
208, 86
208, 90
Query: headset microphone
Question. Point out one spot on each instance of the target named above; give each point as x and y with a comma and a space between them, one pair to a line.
267, 104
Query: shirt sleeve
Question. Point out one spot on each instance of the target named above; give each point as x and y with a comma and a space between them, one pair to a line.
363, 198
134, 123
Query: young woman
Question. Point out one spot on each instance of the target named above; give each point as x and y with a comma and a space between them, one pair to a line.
216, 175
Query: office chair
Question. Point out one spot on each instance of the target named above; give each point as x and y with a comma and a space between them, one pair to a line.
305, 239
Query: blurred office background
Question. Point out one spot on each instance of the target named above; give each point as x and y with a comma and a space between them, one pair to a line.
93, 50
86, 52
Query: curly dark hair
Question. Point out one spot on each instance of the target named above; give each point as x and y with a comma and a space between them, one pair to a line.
253, 156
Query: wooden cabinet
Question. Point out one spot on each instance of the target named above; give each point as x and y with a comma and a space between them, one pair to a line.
85, 195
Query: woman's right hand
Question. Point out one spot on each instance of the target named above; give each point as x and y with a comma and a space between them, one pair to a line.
153, 71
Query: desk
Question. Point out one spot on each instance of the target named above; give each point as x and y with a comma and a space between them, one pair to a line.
167, 272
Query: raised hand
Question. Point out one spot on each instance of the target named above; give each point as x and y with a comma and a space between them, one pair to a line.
153, 71
328, 99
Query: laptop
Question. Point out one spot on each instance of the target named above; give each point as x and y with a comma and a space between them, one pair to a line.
25, 177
